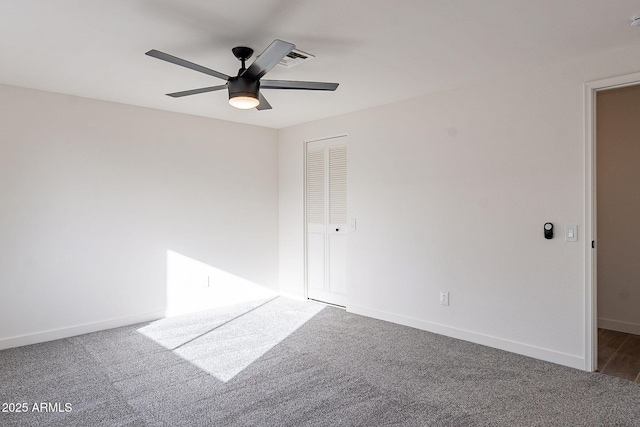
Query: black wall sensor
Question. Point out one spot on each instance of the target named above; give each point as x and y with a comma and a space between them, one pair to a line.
548, 230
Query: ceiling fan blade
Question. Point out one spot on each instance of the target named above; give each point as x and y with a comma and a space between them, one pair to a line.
268, 59
196, 91
186, 64
288, 84
264, 104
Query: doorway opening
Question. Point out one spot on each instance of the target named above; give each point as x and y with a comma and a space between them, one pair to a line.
612, 137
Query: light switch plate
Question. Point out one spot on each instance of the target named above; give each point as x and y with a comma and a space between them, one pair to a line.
352, 223
571, 233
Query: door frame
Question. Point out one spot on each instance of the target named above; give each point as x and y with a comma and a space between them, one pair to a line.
304, 207
591, 255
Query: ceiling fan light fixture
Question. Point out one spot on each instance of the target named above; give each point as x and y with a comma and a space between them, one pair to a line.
244, 102
244, 92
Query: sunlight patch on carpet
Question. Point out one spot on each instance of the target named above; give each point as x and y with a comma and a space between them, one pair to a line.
227, 340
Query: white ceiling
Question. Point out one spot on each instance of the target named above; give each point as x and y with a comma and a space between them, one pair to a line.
380, 51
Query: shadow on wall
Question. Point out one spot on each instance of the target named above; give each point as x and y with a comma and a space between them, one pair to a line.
193, 286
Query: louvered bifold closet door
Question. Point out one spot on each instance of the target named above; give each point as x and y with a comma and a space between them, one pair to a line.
337, 232
316, 218
338, 185
326, 201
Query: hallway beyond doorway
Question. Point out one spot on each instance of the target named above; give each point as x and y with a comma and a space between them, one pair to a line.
619, 354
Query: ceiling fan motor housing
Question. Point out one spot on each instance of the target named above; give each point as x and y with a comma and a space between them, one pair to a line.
243, 86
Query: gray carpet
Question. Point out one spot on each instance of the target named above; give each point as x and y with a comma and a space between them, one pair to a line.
290, 363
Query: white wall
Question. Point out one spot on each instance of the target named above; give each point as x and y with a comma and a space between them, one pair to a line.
451, 192
94, 194
618, 162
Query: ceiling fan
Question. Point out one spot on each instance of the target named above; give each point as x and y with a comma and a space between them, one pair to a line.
244, 89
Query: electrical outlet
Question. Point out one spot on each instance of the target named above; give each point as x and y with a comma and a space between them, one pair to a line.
444, 298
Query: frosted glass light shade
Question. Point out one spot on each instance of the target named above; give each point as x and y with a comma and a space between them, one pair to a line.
244, 102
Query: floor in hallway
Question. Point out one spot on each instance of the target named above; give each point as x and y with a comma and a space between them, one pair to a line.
619, 354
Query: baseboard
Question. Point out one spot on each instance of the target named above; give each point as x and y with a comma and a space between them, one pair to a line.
552, 356
293, 295
616, 325
56, 334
